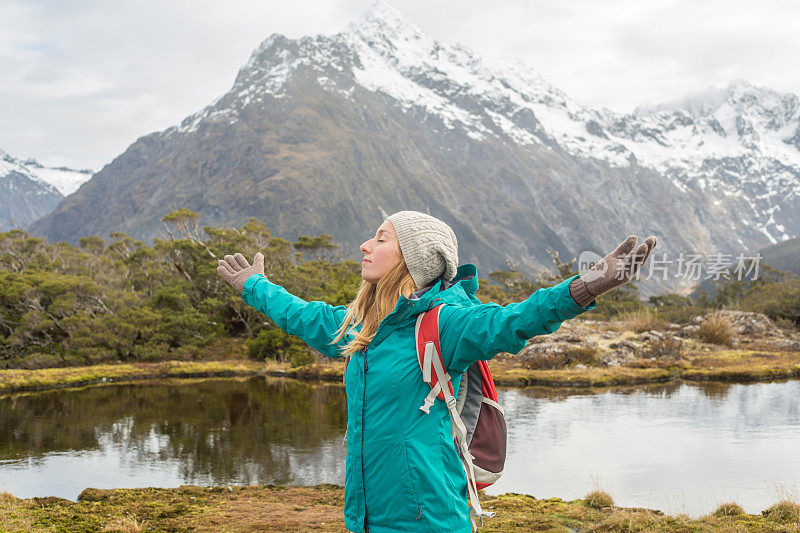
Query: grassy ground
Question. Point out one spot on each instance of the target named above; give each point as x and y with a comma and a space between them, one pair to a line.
49, 378
699, 364
274, 508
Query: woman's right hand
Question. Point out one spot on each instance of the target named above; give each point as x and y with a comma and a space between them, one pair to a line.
235, 269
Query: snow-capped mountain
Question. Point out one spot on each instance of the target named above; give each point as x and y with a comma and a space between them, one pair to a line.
24, 197
30, 190
65, 180
741, 141
329, 133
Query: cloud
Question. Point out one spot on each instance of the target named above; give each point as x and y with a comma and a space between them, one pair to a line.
81, 80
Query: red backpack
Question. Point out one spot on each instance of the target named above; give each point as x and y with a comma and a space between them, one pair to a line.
479, 427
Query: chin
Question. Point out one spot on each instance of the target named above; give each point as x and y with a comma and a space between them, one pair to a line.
369, 278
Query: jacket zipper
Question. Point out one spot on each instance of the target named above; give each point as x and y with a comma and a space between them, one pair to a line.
363, 402
363, 425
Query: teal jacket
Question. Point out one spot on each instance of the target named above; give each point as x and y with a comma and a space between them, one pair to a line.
402, 470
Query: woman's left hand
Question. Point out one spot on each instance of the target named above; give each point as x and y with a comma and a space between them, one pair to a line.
615, 269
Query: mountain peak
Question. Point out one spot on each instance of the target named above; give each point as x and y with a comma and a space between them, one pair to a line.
740, 85
384, 12
706, 102
384, 22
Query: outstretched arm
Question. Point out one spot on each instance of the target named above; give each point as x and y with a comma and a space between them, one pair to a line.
468, 334
315, 323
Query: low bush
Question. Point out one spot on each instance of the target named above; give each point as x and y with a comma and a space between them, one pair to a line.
273, 343
779, 300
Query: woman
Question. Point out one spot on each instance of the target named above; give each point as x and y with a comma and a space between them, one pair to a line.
402, 470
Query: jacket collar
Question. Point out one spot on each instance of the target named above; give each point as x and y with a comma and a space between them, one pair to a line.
459, 291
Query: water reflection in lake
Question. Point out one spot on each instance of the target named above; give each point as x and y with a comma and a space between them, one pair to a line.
208, 432
675, 447
678, 448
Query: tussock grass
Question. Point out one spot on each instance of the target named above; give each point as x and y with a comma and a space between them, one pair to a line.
126, 524
627, 520
598, 499
716, 329
641, 320
729, 509
783, 512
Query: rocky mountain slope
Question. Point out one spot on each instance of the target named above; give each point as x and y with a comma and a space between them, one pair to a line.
329, 133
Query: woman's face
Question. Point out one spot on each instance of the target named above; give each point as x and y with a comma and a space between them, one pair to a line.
381, 253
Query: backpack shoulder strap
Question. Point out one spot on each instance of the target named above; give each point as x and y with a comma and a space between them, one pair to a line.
426, 335
429, 354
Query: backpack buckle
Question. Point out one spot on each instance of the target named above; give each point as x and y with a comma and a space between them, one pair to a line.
426, 407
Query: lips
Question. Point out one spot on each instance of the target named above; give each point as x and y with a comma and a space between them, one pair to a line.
366, 261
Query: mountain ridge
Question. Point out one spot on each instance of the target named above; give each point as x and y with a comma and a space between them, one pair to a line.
329, 133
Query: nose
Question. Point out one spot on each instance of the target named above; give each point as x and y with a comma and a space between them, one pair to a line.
363, 248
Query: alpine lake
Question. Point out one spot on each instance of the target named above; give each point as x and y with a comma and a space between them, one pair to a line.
679, 447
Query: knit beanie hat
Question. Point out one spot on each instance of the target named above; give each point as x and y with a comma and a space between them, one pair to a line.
428, 245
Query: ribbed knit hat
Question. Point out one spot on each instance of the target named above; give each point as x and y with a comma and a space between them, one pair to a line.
428, 245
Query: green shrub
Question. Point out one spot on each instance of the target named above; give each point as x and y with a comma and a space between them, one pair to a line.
779, 300
273, 343
300, 356
675, 308
41, 360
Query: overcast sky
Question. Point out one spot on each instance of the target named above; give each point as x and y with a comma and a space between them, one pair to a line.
82, 80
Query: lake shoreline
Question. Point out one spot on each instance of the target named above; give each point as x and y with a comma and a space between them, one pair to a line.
302, 508
743, 368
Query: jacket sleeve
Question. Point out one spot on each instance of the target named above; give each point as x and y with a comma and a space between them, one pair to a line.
315, 323
468, 334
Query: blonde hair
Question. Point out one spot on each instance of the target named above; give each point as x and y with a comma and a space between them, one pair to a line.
373, 302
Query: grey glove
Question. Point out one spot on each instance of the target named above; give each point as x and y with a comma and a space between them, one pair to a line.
235, 269
615, 269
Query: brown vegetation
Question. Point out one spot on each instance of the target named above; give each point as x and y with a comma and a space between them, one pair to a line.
640, 320
293, 508
716, 329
